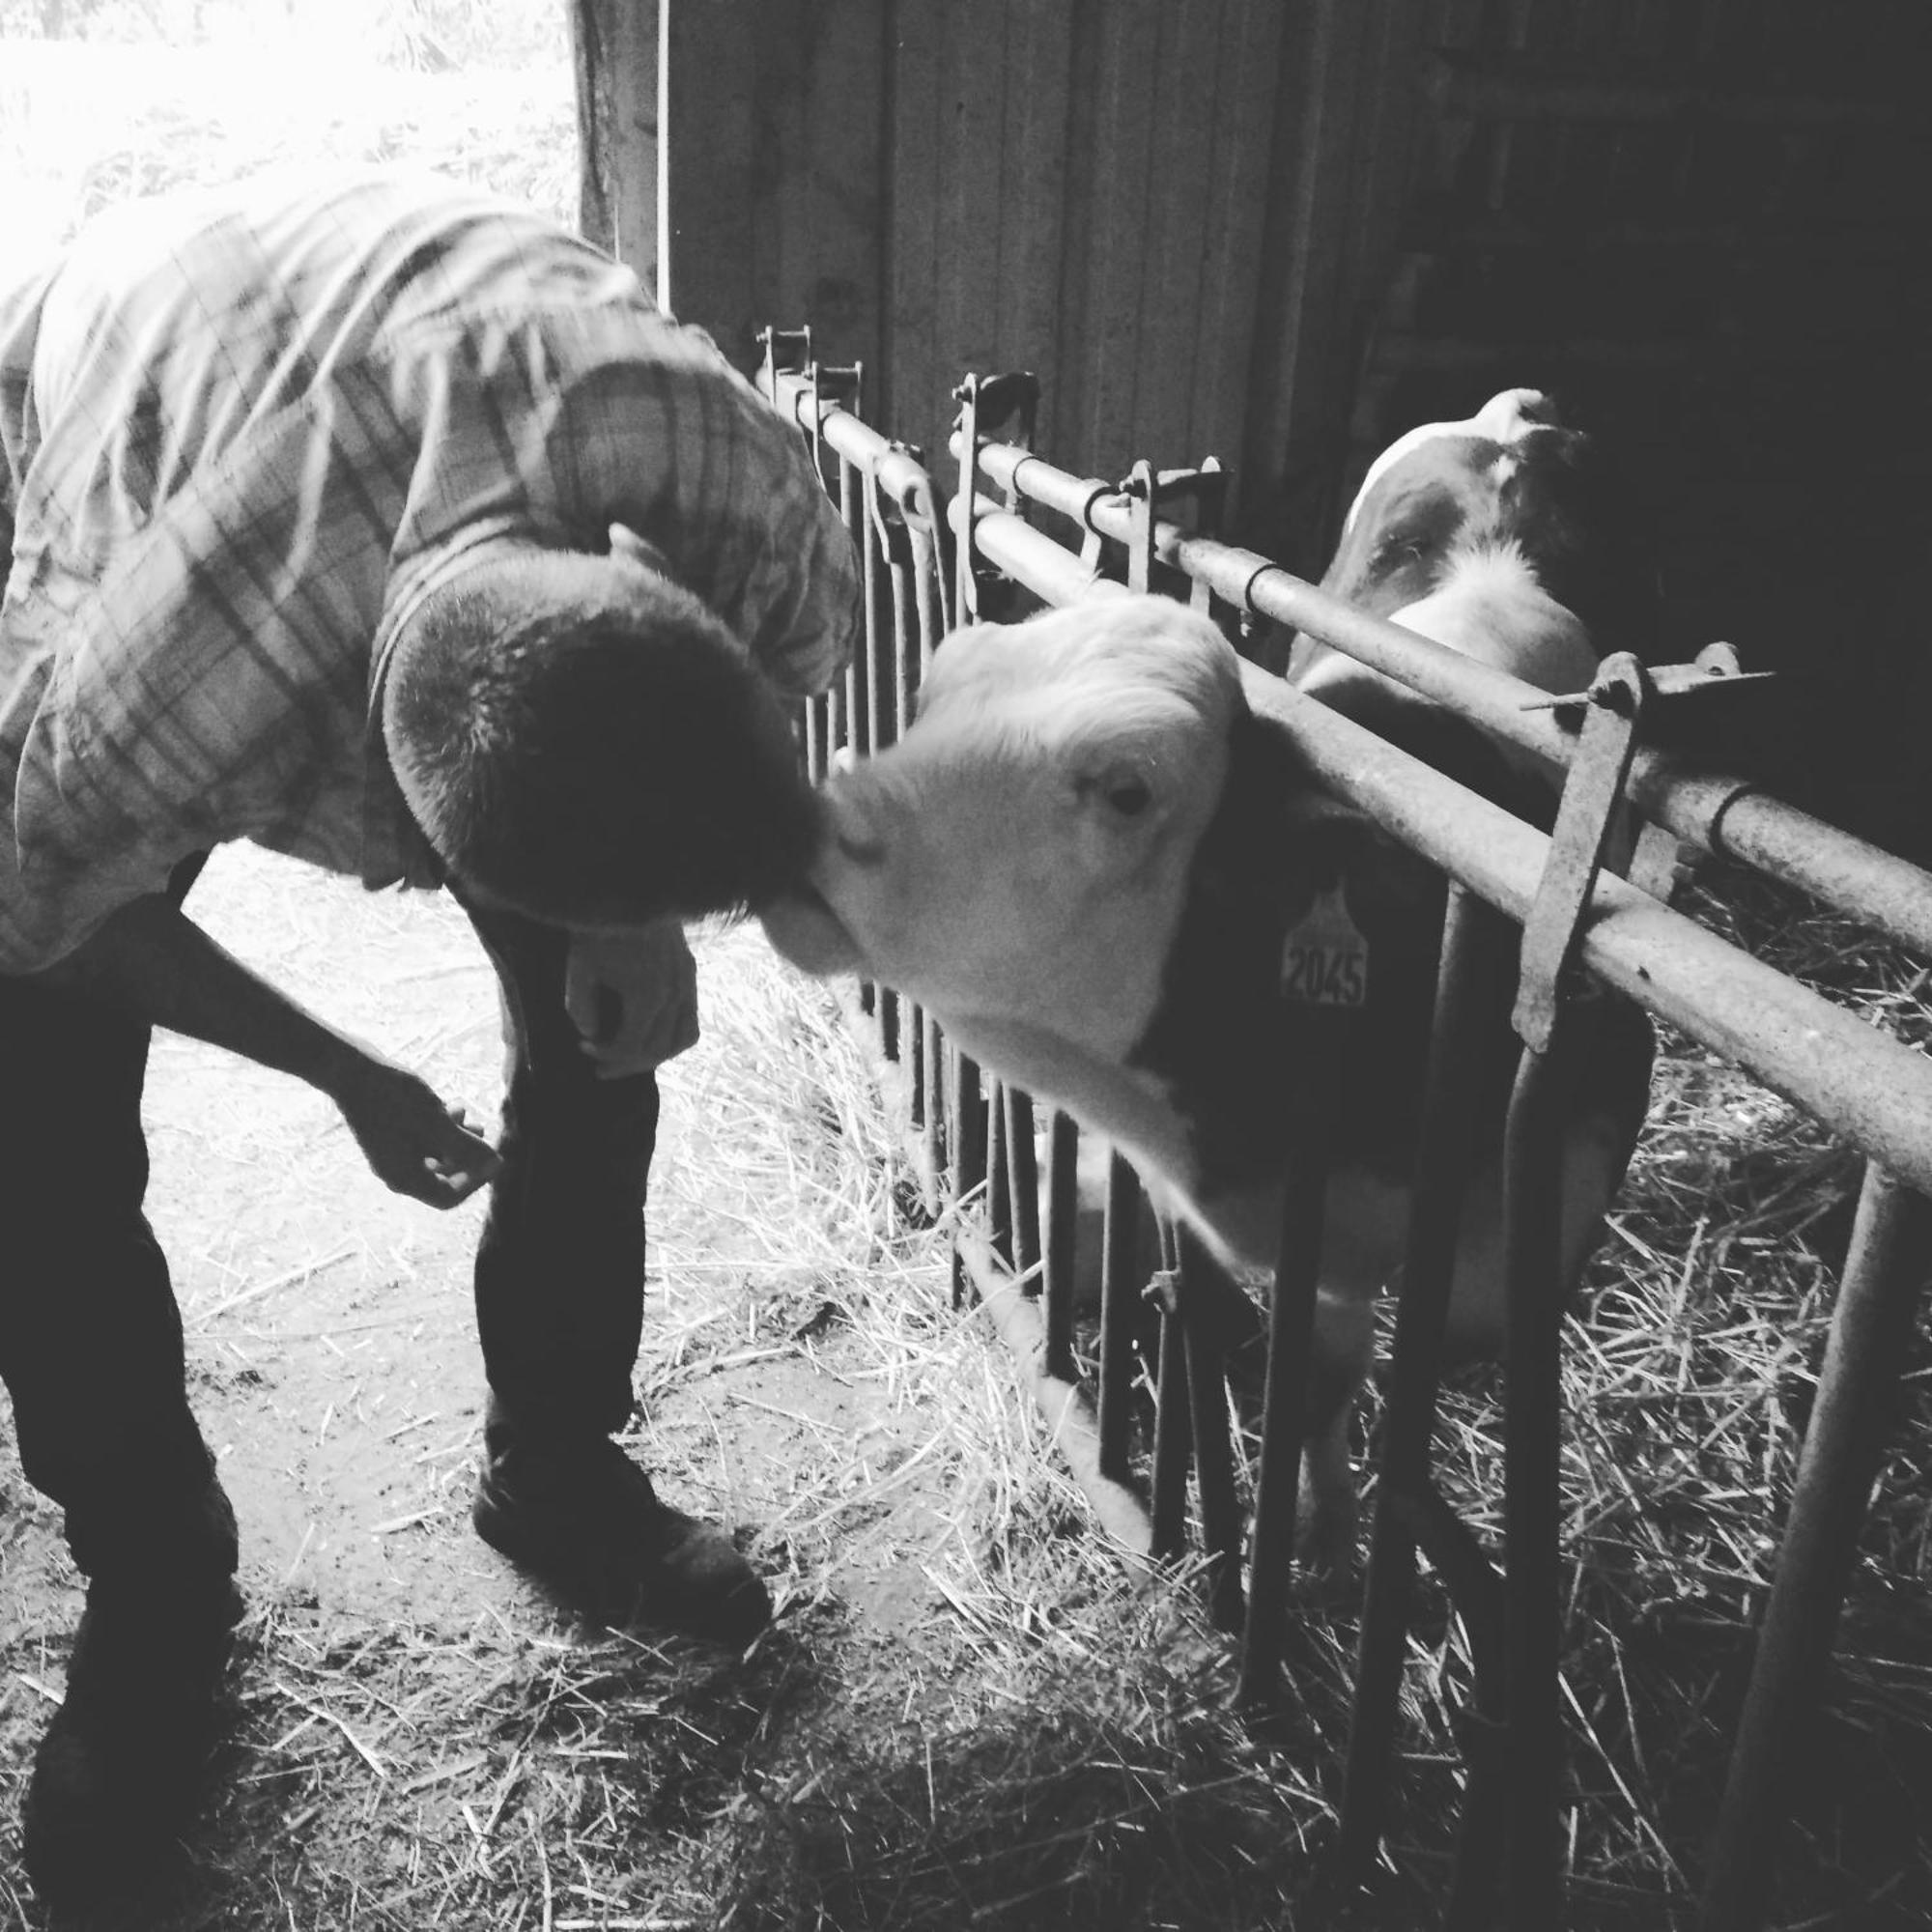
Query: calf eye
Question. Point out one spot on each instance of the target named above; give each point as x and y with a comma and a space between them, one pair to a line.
860, 851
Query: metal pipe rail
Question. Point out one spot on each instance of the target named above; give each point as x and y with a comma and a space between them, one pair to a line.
1718, 813
1864, 1084
1873, 1092
1872, 1089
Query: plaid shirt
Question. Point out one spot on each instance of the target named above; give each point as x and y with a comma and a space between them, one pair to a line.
243, 432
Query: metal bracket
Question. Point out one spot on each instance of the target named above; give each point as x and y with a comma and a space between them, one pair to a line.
1695, 705
787, 351
985, 401
1147, 491
829, 383
1663, 864
1592, 796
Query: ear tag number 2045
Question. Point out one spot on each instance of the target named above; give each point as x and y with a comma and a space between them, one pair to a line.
1324, 959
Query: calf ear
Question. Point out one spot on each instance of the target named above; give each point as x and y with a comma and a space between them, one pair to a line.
1305, 840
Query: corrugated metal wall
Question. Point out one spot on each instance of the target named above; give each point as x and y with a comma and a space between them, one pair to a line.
1106, 191
1280, 231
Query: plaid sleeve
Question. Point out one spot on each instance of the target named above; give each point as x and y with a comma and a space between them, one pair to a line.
655, 430
209, 687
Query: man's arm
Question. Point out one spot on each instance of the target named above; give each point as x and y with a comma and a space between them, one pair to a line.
151, 959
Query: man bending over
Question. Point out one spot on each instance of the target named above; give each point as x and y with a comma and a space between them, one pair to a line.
390, 527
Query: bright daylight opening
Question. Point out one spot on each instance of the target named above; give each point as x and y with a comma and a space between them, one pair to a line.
101, 101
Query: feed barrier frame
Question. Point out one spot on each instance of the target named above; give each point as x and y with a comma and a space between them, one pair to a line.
975, 1136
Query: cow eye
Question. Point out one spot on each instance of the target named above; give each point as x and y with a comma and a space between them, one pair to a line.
1129, 797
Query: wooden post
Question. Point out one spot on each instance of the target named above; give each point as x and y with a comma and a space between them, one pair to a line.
614, 46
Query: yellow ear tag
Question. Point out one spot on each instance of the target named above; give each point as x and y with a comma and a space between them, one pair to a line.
1324, 959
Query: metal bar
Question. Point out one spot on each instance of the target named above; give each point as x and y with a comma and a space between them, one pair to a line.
898, 472
940, 1126
1532, 1494
1173, 1425
1588, 811
999, 1176
1716, 812
1062, 1230
1213, 1445
967, 1110
1872, 1091
1122, 1283
1886, 1272
929, 626
1297, 1276
1023, 1184
1117, 1507
865, 681
1476, 944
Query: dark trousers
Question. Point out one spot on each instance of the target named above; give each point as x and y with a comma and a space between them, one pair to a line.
561, 1266
91, 1347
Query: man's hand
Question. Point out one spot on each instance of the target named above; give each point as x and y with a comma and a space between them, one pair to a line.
151, 959
632, 997
411, 1140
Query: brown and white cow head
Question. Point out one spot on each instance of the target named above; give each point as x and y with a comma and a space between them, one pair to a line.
1505, 537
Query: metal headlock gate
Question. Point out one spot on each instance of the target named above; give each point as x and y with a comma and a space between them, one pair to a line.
973, 1133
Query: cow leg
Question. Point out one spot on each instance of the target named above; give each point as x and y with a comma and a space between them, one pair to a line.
1365, 1220
1596, 1152
1326, 1515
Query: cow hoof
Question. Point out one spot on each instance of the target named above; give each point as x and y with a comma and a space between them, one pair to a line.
589, 1526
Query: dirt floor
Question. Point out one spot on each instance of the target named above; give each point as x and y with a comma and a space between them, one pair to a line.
334, 1367
964, 1710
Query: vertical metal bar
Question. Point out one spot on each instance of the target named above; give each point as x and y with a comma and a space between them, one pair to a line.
968, 1110
1062, 1232
1140, 545
811, 731
929, 589
858, 496
940, 1126
888, 681
853, 516
1213, 1448
1886, 1272
965, 591
998, 1180
1297, 1276
1122, 1282
1532, 1492
943, 1125
1173, 1425
1474, 943
1023, 1183
849, 716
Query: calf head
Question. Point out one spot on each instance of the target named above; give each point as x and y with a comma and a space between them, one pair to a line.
1505, 537
1084, 860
